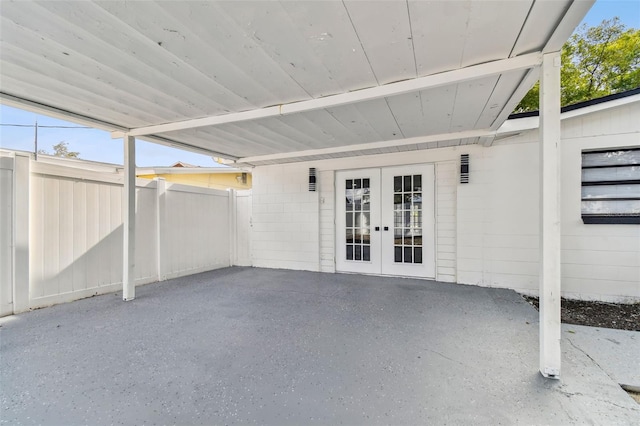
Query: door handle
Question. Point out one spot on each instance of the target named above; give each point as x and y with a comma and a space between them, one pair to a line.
386, 228
377, 228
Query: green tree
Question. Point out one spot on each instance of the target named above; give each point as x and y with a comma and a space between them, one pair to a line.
596, 61
61, 150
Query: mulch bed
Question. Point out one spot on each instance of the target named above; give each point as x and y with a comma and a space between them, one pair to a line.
597, 314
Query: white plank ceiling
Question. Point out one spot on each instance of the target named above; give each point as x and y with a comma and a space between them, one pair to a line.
127, 65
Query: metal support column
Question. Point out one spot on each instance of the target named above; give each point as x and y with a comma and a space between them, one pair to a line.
129, 216
550, 263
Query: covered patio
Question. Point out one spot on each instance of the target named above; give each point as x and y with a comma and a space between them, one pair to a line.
264, 346
269, 83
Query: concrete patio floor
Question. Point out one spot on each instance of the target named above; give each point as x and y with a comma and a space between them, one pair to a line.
259, 346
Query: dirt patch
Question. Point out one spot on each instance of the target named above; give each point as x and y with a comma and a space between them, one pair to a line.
597, 314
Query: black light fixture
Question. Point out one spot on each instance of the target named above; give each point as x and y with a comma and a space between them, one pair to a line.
312, 179
464, 168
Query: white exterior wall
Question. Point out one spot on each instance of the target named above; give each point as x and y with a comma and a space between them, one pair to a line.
487, 231
326, 188
498, 218
598, 261
285, 231
318, 254
446, 184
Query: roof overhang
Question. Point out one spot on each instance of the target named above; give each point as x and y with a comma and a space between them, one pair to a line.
268, 82
517, 125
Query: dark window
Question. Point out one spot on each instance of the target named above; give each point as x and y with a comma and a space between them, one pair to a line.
611, 186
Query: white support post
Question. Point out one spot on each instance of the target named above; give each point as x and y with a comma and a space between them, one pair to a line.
129, 215
21, 237
161, 215
550, 237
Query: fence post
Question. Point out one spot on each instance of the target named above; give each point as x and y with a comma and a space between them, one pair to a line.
21, 225
161, 223
6, 233
233, 220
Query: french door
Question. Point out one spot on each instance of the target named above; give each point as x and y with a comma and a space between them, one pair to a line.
385, 221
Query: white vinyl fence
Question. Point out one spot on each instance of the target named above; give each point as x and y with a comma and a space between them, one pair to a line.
61, 231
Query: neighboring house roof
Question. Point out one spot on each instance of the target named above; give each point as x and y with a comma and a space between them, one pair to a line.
97, 166
181, 164
185, 170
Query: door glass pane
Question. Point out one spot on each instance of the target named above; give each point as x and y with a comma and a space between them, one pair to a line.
357, 224
397, 184
397, 254
349, 236
365, 202
407, 219
417, 255
397, 202
407, 254
417, 182
407, 184
366, 253
357, 199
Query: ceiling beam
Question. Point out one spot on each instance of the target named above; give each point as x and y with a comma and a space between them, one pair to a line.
528, 81
473, 72
370, 146
38, 108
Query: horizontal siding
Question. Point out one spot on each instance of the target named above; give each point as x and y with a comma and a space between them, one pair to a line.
327, 221
446, 183
285, 219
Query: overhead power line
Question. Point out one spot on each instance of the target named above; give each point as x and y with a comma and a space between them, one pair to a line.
47, 127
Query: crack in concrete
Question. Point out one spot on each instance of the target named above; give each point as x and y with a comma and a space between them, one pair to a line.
591, 358
566, 411
445, 357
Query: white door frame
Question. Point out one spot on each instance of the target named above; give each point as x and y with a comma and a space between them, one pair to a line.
382, 215
426, 269
358, 266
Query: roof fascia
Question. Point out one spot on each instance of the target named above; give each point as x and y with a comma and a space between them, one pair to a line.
189, 170
529, 123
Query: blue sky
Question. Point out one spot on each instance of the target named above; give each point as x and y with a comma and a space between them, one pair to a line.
97, 145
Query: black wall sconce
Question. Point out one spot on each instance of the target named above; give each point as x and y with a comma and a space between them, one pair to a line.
464, 168
312, 179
